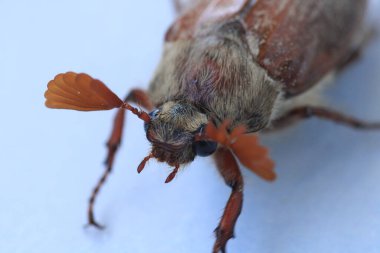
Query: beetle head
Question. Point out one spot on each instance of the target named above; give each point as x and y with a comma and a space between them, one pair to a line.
172, 129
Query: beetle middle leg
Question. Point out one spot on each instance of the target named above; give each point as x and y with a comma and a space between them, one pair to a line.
136, 96
305, 112
230, 171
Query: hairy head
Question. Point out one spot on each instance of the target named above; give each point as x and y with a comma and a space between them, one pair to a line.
172, 129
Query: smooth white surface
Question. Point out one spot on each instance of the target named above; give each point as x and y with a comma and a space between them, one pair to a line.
326, 198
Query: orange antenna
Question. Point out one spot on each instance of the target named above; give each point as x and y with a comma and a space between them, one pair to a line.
81, 92
245, 146
141, 114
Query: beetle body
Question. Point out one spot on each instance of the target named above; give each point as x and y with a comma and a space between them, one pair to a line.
229, 68
241, 60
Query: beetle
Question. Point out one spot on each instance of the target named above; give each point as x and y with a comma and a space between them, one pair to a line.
230, 69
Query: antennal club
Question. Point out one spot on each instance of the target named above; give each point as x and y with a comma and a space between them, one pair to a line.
83, 93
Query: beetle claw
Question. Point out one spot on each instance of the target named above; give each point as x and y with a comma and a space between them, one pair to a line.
93, 223
222, 238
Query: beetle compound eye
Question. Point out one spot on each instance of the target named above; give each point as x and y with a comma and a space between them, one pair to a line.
204, 148
153, 114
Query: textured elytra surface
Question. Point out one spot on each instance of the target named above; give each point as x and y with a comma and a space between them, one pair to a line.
236, 59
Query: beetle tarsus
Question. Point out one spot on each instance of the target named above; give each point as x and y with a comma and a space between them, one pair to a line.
93, 223
137, 96
91, 219
222, 237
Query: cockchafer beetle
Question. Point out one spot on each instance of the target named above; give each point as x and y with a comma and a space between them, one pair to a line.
230, 68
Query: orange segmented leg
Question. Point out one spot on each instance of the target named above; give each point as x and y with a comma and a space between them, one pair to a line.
230, 171
136, 96
323, 113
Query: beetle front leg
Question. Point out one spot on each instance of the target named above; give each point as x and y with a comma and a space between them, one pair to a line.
306, 112
136, 96
230, 172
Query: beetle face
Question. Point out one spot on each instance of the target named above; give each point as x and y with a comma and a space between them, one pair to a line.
171, 131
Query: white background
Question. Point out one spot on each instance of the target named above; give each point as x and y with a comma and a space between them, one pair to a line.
326, 198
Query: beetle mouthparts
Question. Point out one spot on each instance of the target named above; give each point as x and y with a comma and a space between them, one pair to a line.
143, 163
172, 174
150, 156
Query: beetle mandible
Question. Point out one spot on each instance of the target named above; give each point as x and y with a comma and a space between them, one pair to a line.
230, 68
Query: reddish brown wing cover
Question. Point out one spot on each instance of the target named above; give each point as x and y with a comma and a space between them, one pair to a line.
80, 92
246, 147
302, 40
204, 13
